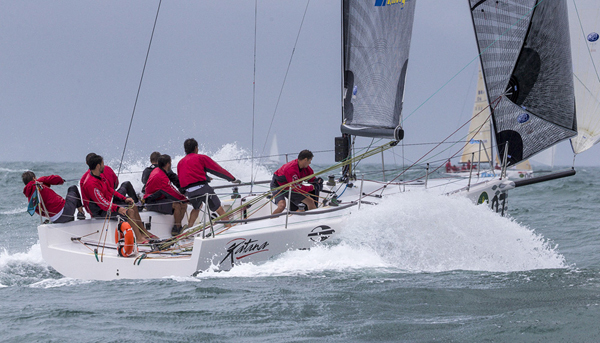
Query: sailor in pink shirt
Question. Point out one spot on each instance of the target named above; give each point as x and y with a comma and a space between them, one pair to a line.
53, 206
162, 196
192, 171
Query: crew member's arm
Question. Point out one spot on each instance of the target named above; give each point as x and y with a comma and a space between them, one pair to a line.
51, 180
102, 202
215, 169
173, 178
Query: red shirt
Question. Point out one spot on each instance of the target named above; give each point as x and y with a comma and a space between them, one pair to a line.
158, 181
53, 202
291, 172
192, 170
96, 189
109, 175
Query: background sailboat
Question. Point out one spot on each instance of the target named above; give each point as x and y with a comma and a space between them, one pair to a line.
584, 24
478, 151
274, 158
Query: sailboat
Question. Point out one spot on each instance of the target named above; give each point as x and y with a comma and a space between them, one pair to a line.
375, 61
478, 153
584, 20
274, 158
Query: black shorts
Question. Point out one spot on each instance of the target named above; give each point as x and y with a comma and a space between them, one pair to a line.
164, 206
284, 194
72, 202
198, 196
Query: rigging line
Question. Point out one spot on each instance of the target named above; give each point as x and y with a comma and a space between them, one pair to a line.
285, 77
587, 45
139, 88
252, 176
432, 149
470, 62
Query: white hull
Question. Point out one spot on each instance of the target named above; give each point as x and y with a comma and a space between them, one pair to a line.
69, 248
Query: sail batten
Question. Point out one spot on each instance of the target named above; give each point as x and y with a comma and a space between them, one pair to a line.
376, 47
526, 63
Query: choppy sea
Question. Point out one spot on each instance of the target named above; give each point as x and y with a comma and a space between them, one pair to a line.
417, 268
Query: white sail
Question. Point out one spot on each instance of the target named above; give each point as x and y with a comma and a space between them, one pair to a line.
584, 24
479, 139
545, 157
274, 152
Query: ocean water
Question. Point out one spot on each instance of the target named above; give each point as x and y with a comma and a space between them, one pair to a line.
416, 268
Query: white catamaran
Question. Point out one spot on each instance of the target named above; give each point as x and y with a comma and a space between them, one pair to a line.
521, 67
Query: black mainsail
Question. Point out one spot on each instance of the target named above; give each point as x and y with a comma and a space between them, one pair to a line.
375, 44
526, 62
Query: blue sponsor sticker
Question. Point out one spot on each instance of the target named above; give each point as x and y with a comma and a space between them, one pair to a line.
523, 118
592, 37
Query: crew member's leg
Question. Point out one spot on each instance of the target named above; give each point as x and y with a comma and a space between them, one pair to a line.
133, 218
179, 209
278, 197
126, 189
72, 202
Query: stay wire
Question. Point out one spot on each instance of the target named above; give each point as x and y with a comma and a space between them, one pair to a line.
285, 78
139, 88
253, 97
473, 60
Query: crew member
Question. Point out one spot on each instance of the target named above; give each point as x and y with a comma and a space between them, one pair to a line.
97, 194
57, 209
192, 171
154, 163
292, 171
162, 196
112, 179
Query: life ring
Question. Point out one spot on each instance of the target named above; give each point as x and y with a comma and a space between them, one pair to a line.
125, 239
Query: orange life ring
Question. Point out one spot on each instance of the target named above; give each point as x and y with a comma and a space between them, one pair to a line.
125, 239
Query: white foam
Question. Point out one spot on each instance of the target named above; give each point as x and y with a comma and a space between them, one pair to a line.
15, 211
418, 232
54, 283
12, 170
32, 256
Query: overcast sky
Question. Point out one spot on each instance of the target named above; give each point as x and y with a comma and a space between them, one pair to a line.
70, 70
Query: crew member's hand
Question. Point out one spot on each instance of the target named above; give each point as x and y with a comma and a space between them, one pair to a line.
236, 181
129, 201
122, 211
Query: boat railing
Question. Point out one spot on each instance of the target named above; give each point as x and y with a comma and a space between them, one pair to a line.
305, 213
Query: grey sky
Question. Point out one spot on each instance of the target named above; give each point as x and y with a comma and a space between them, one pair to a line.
69, 72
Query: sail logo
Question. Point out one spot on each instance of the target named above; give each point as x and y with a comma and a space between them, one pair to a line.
320, 233
242, 247
389, 2
592, 37
523, 118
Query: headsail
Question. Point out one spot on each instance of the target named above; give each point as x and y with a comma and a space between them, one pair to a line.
479, 139
526, 60
584, 20
376, 44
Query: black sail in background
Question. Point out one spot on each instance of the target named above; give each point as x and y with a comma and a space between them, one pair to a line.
526, 60
376, 44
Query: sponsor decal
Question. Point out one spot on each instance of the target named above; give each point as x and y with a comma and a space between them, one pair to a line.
389, 2
241, 247
320, 233
483, 198
523, 118
592, 37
